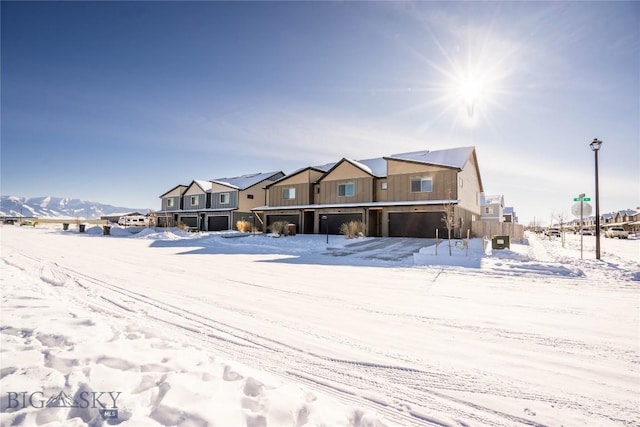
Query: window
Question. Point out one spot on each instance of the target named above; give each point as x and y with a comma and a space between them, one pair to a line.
383, 185
224, 198
249, 196
460, 182
346, 190
194, 200
169, 203
488, 210
289, 193
421, 185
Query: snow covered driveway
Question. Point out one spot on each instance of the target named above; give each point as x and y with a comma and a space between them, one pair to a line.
202, 330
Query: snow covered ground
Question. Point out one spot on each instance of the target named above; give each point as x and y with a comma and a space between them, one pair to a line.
169, 328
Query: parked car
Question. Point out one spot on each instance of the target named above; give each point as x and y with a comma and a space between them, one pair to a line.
618, 232
585, 231
553, 232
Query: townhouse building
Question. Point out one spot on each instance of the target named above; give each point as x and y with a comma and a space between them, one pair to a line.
216, 204
401, 195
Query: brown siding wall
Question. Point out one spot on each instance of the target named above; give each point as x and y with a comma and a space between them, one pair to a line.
399, 185
302, 195
257, 191
469, 192
363, 191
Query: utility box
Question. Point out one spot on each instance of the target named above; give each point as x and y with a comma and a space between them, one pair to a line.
500, 242
292, 229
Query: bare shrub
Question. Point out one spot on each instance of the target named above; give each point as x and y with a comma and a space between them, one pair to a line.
352, 229
243, 226
280, 227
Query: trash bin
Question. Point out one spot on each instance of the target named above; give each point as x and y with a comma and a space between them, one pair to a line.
81, 228
106, 230
292, 229
500, 242
65, 226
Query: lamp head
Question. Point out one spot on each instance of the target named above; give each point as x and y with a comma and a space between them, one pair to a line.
595, 145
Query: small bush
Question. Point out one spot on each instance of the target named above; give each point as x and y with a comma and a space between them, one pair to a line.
280, 227
243, 226
181, 225
352, 229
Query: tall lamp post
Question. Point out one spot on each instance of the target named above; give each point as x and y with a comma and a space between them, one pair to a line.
595, 146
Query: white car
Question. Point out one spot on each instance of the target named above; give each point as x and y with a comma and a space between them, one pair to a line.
585, 231
618, 232
553, 232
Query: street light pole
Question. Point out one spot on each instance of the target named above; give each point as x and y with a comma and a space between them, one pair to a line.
595, 146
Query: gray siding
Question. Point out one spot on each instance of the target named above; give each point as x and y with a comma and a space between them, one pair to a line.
233, 200
176, 204
187, 206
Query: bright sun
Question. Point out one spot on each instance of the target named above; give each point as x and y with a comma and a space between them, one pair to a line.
470, 90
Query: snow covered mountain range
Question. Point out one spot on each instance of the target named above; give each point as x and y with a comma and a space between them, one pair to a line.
58, 207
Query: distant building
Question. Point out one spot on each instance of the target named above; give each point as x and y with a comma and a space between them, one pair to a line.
492, 207
509, 215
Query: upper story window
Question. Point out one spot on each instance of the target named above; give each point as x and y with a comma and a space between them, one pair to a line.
249, 196
169, 203
346, 190
224, 198
383, 185
289, 193
488, 210
460, 182
194, 200
421, 185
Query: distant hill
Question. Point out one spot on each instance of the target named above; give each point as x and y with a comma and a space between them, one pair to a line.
59, 207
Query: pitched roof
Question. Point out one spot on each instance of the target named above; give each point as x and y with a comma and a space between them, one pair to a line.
451, 157
322, 169
174, 188
245, 181
487, 199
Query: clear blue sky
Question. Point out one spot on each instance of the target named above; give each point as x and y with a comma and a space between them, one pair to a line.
119, 102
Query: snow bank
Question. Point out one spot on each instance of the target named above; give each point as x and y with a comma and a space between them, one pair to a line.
74, 350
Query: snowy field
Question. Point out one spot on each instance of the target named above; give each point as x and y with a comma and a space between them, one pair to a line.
173, 329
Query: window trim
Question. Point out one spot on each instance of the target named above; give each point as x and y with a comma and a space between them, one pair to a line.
195, 200
224, 195
170, 202
383, 185
345, 185
289, 193
421, 179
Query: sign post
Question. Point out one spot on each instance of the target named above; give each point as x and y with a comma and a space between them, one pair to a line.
581, 209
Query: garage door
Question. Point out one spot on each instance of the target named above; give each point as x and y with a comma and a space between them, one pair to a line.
289, 219
416, 224
190, 221
336, 220
218, 223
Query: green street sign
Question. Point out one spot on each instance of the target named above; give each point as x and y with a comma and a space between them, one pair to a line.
584, 199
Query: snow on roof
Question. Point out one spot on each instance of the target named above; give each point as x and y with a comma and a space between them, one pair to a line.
453, 157
205, 185
628, 212
491, 198
325, 168
376, 166
245, 181
360, 165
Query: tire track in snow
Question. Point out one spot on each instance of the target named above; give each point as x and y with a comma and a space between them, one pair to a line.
402, 389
